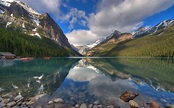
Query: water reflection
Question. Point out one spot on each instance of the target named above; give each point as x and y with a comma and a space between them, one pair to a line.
34, 77
88, 80
106, 79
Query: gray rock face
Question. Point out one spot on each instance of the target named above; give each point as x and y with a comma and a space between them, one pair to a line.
53, 30
41, 24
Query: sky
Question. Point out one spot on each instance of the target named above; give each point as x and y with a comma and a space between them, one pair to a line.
85, 21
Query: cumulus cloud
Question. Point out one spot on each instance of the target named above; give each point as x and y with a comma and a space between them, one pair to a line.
122, 15
75, 15
81, 37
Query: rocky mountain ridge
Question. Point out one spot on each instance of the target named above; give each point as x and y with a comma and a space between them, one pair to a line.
142, 31
18, 16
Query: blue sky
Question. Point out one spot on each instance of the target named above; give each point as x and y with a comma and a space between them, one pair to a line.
85, 21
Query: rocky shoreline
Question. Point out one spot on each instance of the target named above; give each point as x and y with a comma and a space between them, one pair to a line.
8, 101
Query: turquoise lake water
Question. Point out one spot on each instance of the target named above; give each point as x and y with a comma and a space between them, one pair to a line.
84, 80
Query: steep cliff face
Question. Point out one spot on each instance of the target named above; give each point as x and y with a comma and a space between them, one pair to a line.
52, 30
18, 16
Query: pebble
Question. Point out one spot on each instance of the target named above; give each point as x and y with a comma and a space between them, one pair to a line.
163, 100
96, 102
0, 99
133, 104
153, 104
16, 107
83, 105
29, 103
77, 106
58, 100
95, 106
100, 106
5, 100
2, 104
50, 102
19, 103
127, 96
110, 106
90, 106
11, 104
169, 106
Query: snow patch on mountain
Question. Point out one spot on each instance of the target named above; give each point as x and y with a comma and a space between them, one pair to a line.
36, 34
94, 44
8, 23
27, 8
11, 15
103, 39
1, 11
6, 2
23, 25
162, 24
36, 21
34, 30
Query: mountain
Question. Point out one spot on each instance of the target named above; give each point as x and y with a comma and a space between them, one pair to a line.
109, 42
84, 49
156, 41
145, 31
18, 16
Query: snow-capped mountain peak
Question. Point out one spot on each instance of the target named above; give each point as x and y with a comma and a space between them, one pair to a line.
28, 8
8, 3
151, 30
116, 32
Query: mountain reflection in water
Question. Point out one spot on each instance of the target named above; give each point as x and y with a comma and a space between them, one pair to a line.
91, 79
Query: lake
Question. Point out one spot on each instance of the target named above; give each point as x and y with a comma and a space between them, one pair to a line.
88, 80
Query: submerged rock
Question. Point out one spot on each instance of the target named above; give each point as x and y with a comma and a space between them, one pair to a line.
90, 106
11, 104
95, 106
153, 104
83, 105
29, 103
18, 97
0, 99
169, 106
50, 102
59, 100
133, 104
2, 105
127, 96
110, 106
77, 106
96, 102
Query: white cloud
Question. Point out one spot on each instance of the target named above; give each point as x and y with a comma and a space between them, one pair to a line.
122, 15
81, 37
75, 15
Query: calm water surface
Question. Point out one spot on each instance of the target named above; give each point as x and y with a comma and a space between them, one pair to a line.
85, 80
